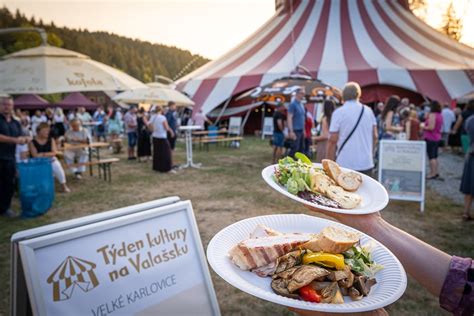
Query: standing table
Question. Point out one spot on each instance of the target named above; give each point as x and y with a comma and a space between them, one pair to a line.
189, 145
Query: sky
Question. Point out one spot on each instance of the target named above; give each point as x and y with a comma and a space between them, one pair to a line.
206, 27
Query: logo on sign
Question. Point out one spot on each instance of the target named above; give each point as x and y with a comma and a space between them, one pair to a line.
72, 273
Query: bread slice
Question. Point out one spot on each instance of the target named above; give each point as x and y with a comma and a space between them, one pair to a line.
320, 183
347, 200
336, 240
349, 181
331, 168
313, 244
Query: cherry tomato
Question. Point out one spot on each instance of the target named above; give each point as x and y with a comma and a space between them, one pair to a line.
309, 294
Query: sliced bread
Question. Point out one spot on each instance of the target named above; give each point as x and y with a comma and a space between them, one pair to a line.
331, 168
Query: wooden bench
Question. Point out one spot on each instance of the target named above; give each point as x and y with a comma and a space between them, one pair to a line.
103, 165
218, 139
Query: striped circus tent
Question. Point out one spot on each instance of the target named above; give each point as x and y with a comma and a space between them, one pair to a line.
379, 44
71, 273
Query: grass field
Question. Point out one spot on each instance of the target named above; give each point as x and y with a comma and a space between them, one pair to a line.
229, 188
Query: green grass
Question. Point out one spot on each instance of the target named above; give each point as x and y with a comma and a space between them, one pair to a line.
229, 188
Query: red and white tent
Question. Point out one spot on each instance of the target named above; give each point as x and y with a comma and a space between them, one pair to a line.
379, 44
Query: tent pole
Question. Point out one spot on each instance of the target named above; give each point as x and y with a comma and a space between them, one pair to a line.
263, 120
223, 109
245, 121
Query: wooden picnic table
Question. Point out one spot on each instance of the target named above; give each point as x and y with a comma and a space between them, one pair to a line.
93, 147
206, 133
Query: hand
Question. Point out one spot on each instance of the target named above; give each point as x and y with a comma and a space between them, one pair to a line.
377, 312
21, 140
292, 135
363, 222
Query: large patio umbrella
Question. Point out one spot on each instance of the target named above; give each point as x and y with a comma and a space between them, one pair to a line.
156, 93
74, 100
48, 69
30, 102
281, 91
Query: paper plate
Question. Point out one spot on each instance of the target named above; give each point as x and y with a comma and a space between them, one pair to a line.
391, 280
374, 195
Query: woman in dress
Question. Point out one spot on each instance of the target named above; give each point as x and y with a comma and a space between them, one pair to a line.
59, 121
432, 136
322, 139
114, 130
43, 145
390, 119
467, 180
412, 126
144, 142
161, 148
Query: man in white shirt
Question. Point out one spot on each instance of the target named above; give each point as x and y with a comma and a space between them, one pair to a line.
448, 120
354, 151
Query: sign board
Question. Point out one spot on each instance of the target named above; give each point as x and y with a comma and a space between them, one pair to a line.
402, 169
235, 123
144, 263
267, 127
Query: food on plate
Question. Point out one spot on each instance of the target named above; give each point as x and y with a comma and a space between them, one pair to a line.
349, 181
321, 268
328, 186
331, 168
258, 252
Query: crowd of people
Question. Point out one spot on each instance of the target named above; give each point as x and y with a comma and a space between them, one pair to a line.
356, 128
151, 135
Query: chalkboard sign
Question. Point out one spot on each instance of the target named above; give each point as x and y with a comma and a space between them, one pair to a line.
145, 263
402, 169
267, 127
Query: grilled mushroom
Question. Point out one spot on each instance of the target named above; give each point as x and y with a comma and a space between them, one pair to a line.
363, 284
289, 260
332, 294
304, 276
355, 294
280, 286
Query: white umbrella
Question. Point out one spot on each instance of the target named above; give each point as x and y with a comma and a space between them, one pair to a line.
48, 69
157, 93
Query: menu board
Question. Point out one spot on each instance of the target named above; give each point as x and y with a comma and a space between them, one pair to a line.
402, 169
147, 263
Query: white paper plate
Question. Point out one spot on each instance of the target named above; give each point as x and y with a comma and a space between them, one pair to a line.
391, 281
374, 195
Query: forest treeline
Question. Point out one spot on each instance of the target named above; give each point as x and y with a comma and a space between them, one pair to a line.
140, 59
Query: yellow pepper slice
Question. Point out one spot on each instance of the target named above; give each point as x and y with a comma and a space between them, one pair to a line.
330, 260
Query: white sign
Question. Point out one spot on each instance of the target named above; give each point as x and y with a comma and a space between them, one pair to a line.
235, 123
146, 263
402, 169
267, 127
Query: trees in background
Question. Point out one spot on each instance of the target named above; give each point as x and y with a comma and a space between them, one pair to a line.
140, 59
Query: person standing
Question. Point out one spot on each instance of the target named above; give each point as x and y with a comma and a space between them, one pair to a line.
412, 126
59, 123
459, 126
467, 180
10, 136
36, 120
432, 136
143, 144
172, 119
278, 138
322, 139
101, 119
77, 135
353, 132
448, 120
390, 119
308, 127
296, 119
158, 124
200, 119
130, 120
114, 130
